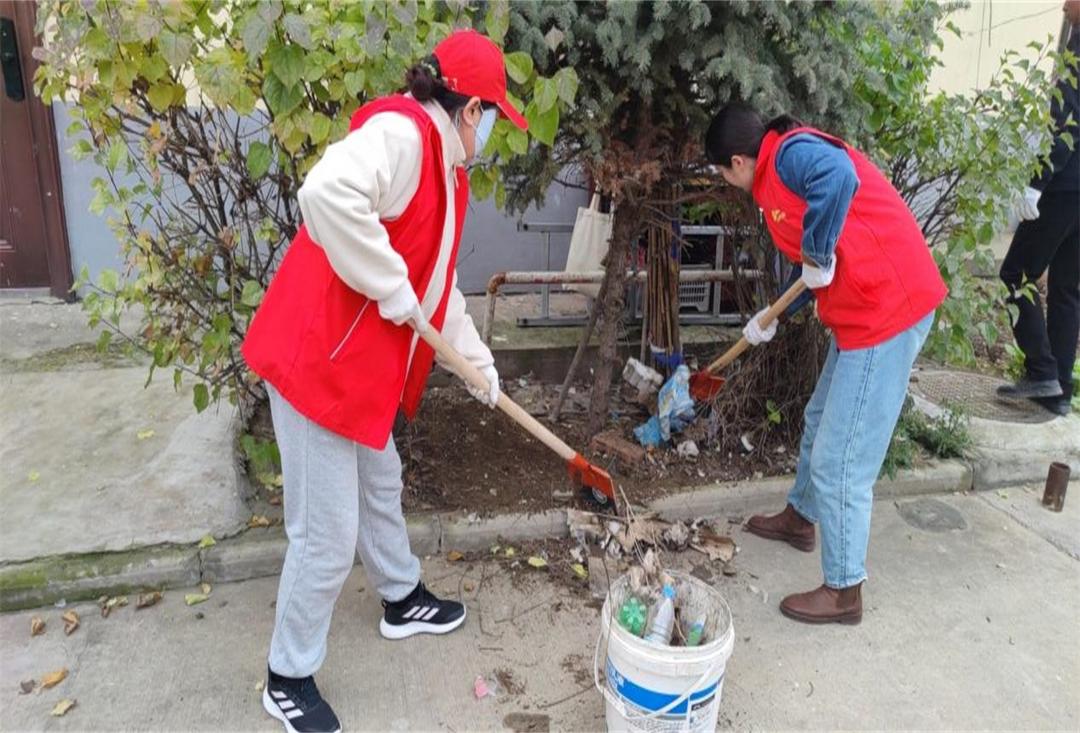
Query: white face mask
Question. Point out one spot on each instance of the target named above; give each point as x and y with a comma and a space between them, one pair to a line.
483, 129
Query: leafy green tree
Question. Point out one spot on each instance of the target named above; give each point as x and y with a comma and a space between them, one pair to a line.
204, 116
958, 159
651, 74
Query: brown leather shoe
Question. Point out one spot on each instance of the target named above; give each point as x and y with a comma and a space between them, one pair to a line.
825, 605
787, 526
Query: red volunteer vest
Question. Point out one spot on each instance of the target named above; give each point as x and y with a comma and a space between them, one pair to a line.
323, 345
886, 279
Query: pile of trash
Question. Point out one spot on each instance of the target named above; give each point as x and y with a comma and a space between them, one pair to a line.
639, 534
674, 406
656, 605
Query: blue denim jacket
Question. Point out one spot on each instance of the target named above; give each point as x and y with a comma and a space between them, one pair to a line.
823, 175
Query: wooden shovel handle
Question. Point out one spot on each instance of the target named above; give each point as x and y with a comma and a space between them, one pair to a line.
461, 366
768, 317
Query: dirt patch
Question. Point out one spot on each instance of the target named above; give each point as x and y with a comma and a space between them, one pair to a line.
508, 682
527, 722
575, 664
460, 456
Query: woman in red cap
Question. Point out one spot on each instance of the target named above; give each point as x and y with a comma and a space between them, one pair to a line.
335, 341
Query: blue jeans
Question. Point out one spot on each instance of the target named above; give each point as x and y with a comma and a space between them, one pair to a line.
849, 422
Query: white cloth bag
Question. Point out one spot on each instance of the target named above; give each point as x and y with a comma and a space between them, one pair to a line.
588, 245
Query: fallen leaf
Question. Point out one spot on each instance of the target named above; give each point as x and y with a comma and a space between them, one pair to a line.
26, 687
71, 622
275, 500
144, 434
207, 541
258, 520
510, 552
33, 475
37, 626
195, 598
107, 604
455, 556
645, 528
495, 549
718, 547
62, 707
469, 587
205, 588
579, 570
52, 679
260, 685
537, 562
146, 600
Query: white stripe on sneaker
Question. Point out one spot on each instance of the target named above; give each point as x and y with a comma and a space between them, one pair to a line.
294, 714
286, 705
412, 611
278, 695
429, 614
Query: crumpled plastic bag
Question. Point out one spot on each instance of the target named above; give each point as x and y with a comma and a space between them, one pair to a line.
675, 411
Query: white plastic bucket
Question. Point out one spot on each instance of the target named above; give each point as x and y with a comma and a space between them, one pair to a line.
661, 689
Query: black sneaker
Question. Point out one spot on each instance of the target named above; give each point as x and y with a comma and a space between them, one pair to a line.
420, 612
298, 705
1030, 388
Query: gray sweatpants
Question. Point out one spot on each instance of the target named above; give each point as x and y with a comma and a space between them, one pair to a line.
340, 498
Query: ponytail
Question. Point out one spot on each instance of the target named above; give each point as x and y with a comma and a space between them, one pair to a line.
783, 123
425, 83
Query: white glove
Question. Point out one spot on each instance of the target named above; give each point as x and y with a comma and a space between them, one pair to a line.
1027, 205
753, 331
818, 277
491, 395
402, 306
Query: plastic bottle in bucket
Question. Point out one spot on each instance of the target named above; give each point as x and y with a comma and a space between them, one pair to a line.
697, 629
632, 615
663, 624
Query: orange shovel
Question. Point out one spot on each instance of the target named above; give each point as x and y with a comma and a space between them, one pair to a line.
582, 473
704, 384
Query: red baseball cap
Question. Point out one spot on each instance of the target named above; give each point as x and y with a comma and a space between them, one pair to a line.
472, 65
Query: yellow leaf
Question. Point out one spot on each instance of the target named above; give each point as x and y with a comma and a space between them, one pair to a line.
52, 679
71, 622
510, 552
207, 541
205, 588
37, 626
144, 434
537, 562
579, 570
193, 599
454, 556
258, 520
62, 707
147, 599
33, 475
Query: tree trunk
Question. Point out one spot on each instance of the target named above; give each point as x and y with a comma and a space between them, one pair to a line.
625, 229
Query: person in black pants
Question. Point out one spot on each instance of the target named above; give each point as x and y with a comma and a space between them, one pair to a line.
1048, 237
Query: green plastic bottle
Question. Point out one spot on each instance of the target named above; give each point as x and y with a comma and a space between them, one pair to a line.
632, 615
696, 630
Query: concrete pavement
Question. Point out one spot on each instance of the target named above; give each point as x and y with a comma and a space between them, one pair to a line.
970, 623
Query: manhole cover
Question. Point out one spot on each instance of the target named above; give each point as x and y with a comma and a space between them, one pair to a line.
931, 515
976, 395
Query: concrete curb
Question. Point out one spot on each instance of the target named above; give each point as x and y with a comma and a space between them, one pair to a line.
260, 552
